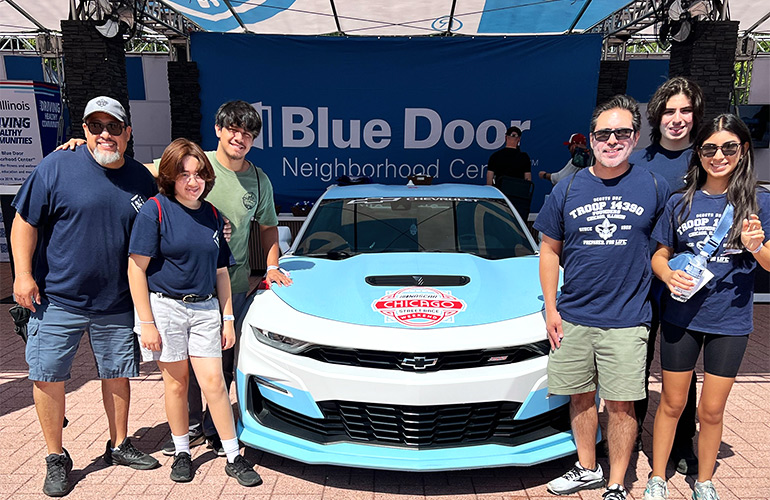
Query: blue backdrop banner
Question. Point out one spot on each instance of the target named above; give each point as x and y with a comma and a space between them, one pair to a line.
391, 107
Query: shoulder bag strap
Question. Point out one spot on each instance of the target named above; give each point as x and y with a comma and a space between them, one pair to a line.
723, 227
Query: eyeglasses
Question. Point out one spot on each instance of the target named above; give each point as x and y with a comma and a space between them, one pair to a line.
186, 176
728, 149
113, 128
513, 135
621, 134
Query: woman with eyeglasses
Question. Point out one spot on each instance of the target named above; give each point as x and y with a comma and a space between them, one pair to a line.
177, 272
718, 316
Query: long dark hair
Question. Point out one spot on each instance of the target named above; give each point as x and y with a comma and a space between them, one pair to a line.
657, 105
742, 187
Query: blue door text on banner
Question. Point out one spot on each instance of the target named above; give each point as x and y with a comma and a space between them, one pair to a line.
392, 107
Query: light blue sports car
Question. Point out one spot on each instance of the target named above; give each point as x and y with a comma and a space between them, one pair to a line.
413, 337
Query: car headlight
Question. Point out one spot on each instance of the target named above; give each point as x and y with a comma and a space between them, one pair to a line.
281, 342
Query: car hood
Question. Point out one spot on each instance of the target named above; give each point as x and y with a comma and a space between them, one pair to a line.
498, 290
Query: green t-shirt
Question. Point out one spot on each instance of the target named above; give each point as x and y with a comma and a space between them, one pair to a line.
240, 196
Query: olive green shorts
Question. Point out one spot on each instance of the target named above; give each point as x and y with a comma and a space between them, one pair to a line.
611, 358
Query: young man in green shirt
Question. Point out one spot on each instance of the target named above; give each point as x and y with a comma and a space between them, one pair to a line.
241, 192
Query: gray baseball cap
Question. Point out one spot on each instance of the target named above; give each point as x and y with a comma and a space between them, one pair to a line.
106, 105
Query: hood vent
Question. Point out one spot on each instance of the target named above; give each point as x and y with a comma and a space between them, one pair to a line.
418, 280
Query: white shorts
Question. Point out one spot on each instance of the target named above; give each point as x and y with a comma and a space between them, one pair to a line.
186, 329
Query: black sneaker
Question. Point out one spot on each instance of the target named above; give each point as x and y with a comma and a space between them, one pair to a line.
181, 469
126, 454
196, 439
215, 444
685, 460
58, 468
243, 472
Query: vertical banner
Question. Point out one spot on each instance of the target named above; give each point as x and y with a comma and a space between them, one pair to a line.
30, 116
29, 127
391, 107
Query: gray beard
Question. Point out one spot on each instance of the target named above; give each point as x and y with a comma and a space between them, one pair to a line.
106, 159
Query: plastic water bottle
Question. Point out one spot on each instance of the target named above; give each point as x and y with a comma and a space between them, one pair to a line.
695, 268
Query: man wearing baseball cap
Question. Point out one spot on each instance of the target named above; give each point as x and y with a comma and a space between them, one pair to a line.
70, 242
580, 157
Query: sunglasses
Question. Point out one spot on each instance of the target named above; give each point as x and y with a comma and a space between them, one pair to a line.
114, 128
728, 149
621, 134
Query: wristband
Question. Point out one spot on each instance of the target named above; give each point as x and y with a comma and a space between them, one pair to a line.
270, 268
151, 322
228, 317
759, 248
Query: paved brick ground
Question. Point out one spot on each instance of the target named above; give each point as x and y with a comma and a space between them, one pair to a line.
743, 466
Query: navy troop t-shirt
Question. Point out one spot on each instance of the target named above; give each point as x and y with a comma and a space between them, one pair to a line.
187, 246
605, 226
725, 304
671, 165
84, 213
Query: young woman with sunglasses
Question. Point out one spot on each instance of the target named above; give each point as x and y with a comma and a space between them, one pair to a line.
177, 272
718, 317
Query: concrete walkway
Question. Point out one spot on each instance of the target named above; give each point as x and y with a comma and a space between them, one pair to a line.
743, 465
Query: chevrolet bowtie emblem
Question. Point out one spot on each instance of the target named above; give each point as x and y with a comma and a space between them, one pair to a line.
419, 362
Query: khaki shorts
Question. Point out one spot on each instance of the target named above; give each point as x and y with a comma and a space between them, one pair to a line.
611, 358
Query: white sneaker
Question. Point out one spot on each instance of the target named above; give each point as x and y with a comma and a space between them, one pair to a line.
657, 489
704, 491
576, 479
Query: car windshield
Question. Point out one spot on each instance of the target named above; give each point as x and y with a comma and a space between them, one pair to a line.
485, 227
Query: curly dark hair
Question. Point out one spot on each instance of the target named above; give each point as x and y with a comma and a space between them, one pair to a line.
742, 187
657, 105
171, 166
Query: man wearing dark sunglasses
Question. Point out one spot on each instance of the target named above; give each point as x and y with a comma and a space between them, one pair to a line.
674, 113
597, 225
70, 241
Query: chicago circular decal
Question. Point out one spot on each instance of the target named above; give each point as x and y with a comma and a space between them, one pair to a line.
419, 306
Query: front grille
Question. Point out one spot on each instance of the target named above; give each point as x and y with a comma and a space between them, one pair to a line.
418, 280
410, 426
427, 362
419, 425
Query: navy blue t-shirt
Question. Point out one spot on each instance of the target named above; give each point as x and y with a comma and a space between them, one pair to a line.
84, 214
605, 227
187, 246
725, 304
671, 165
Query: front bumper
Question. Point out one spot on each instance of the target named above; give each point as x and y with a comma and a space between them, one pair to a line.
285, 403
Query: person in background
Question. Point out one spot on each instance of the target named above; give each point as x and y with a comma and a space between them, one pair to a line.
580, 157
718, 316
177, 270
598, 226
509, 161
70, 238
674, 113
